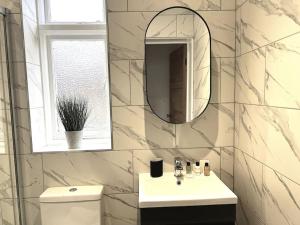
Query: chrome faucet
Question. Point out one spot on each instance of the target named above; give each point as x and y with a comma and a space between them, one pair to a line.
178, 167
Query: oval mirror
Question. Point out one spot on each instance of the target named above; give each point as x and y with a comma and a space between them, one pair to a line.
177, 61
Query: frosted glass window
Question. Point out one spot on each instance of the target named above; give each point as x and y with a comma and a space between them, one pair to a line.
76, 11
79, 68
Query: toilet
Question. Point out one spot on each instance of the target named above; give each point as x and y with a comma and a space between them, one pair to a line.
80, 205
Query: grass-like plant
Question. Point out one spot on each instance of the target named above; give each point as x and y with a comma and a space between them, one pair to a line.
73, 112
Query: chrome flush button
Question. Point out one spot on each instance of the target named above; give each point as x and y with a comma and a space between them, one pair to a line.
73, 189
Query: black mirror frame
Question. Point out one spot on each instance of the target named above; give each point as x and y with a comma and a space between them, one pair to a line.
210, 56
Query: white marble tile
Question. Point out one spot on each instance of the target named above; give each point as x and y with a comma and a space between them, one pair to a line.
206, 78
250, 74
23, 131
228, 4
3, 57
4, 87
154, 5
1, 219
5, 177
16, 38
3, 98
20, 86
3, 131
215, 92
239, 3
32, 211
141, 159
38, 131
270, 135
248, 188
199, 106
185, 26
7, 210
236, 124
14, 187
202, 73
212, 129
162, 26
138, 83
116, 5
112, 169
12, 5
120, 82
202, 85
200, 26
261, 20
201, 49
121, 209
202, 60
222, 28
29, 9
35, 88
248, 136
32, 175
227, 162
281, 199
136, 127
31, 41
282, 74
227, 79
127, 33
238, 27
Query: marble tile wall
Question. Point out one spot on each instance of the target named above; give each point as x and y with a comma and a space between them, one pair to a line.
264, 108
8, 204
267, 149
32, 98
138, 134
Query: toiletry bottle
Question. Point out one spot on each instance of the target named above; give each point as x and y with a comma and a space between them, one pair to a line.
206, 169
188, 170
197, 169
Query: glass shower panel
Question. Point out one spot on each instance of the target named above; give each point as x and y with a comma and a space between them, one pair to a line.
9, 207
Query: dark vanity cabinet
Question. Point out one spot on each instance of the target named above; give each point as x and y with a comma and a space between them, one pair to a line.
189, 215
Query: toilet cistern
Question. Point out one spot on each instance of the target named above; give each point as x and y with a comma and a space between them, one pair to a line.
75, 205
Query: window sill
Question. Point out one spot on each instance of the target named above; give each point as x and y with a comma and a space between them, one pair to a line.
87, 145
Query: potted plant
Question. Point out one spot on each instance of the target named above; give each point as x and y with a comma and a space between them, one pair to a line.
73, 113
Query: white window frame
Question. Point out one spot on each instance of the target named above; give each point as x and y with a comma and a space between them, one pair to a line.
50, 31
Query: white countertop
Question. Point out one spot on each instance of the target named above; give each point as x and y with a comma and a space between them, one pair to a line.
198, 190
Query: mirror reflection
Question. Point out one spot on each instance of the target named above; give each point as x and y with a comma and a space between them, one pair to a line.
177, 60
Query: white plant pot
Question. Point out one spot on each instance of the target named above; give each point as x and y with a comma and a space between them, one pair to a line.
74, 139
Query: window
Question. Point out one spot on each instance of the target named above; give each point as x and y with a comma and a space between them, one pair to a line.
73, 49
88, 11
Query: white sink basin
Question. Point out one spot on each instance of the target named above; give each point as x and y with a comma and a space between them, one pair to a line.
198, 190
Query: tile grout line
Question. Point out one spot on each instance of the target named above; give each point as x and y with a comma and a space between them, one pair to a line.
234, 97
269, 106
270, 43
265, 75
265, 165
143, 59
159, 10
129, 74
43, 174
133, 170
240, 5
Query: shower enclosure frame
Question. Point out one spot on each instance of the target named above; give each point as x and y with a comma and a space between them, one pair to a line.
13, 162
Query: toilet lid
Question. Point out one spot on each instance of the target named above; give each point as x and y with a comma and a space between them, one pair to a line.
72, 194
